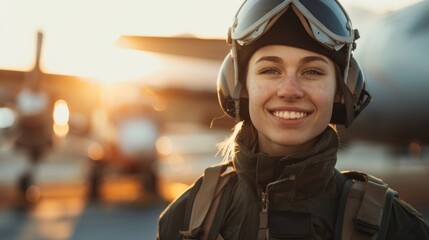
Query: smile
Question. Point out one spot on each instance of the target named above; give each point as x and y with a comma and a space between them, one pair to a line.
289, 115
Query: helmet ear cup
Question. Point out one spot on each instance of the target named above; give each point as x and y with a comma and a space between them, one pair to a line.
355, 97
355, 80
356, 84
226, 86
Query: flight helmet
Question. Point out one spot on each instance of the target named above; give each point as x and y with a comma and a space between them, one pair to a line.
321, 26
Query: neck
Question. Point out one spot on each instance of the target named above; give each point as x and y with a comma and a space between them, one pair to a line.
275, 149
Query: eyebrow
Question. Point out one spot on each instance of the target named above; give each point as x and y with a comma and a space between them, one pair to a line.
270, 59
302, 61
313, 58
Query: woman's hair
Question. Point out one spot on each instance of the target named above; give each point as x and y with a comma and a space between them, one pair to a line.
227, 148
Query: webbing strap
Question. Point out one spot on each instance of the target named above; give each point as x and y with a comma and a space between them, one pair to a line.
371, 211
205, 199
207, 224
353, 201
365, 205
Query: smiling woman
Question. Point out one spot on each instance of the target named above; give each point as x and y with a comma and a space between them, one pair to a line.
289, 78
274, 85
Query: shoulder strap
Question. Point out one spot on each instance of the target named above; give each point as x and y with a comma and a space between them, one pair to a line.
364, 199
207, 201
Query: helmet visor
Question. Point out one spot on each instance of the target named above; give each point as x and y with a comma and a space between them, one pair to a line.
327, 16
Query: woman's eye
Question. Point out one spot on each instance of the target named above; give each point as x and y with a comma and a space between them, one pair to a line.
313, 72
270, 71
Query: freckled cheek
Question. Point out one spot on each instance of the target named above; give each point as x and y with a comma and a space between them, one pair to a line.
258, 97
328, 96
258, 93
325, 101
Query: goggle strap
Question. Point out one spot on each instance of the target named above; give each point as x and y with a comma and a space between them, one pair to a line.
304, 21
274, 19
309, 29
257, 33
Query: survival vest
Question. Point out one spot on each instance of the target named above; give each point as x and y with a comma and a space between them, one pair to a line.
363, 214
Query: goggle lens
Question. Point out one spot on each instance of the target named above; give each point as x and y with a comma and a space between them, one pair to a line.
330, 14
254, 13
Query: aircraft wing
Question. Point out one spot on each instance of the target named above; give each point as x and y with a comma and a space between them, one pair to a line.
213, 49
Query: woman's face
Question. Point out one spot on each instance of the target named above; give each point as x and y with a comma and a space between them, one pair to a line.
291, 93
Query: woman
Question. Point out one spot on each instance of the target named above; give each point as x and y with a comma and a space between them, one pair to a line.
290, 75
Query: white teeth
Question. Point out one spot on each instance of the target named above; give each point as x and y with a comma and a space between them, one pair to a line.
289, 115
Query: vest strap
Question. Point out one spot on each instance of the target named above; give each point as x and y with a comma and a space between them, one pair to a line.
207, 199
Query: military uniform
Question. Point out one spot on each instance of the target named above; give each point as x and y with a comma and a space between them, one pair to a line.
301, 192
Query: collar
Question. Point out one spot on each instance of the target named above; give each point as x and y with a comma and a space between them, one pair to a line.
309, 170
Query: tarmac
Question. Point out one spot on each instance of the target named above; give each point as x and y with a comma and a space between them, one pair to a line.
62, 209
58, 207
65, 166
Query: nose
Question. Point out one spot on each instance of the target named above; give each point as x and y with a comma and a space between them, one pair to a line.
290, 88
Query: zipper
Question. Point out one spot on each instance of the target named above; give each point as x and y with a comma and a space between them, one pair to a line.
264, 233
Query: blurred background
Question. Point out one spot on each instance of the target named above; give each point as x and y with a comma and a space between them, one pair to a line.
108, 109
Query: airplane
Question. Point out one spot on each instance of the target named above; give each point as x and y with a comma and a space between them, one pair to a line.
72, 89
92, 118
394, 58
28, 101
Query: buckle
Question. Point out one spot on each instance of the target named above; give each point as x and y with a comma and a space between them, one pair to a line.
194, 234
365, 227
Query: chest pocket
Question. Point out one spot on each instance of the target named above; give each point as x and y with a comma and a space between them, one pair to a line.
289, 225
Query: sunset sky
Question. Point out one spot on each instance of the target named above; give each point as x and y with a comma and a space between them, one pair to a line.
79, 34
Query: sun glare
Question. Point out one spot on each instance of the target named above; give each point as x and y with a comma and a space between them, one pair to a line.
61, 112
80, 35
61, 118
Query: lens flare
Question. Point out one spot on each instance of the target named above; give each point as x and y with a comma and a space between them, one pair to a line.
61, 116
